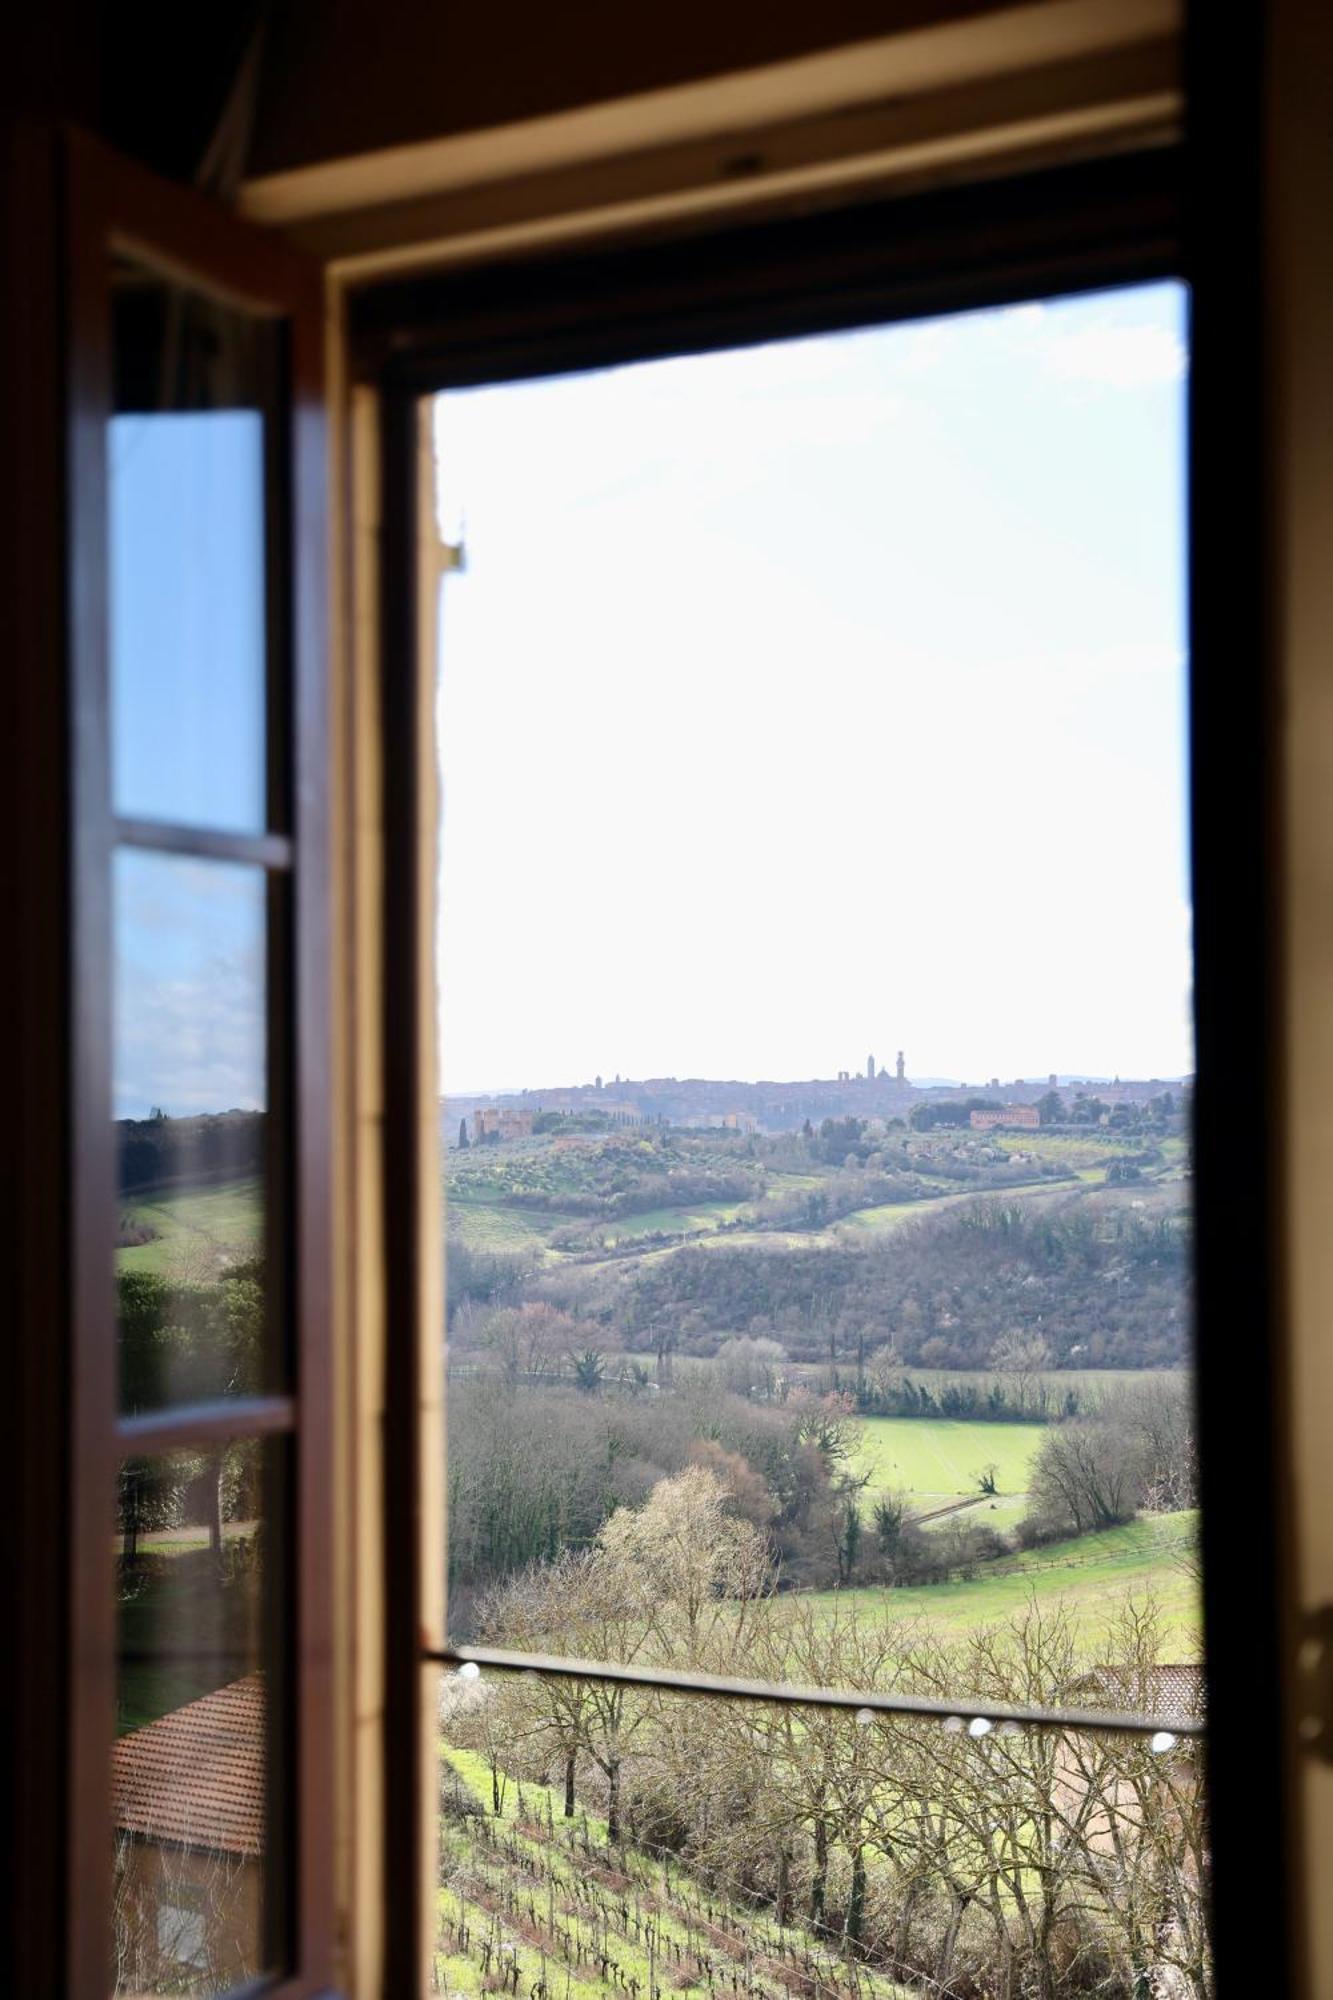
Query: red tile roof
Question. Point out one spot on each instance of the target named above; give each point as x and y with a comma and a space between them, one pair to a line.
196, 1777
1165, 1690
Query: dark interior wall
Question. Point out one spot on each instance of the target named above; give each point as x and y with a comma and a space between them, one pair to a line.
151, 78
342, 77
352, 76
50, 66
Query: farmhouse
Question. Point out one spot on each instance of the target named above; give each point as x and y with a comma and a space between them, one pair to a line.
490, 1123
1025, 1115
188, 1798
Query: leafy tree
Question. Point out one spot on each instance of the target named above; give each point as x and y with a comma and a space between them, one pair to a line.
849, 1537
150, 1495
589, 1371
890, 1518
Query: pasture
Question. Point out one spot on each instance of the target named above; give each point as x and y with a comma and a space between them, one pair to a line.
495, 1226
933, 1460
198, 1230
690, 1221
1091, 1574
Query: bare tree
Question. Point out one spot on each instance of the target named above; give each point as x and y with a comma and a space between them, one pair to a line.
695, 1575
1020, 1359
1086, 1475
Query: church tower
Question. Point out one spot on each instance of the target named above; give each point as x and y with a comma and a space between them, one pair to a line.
902, 1068
870, 1069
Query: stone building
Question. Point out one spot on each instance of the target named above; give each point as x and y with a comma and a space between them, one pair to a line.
490, 1123
1025, 1116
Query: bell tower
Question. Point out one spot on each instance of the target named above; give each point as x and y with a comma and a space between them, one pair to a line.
902, 1068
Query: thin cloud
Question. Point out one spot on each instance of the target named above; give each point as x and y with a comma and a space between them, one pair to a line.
190, 1032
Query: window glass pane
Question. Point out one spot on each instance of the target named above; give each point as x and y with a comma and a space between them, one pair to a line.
190, 1783
597, 1839
816, 1012
190, 1065
185, 465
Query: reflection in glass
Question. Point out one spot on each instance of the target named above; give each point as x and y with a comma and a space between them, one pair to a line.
190, 1761
185, 466
190, 1093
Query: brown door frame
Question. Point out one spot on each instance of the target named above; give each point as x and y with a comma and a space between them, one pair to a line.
109, 205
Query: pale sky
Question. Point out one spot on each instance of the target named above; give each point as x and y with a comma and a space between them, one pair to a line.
186, 586
821, 699
798, 703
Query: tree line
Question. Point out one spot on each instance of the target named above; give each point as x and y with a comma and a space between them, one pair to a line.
212, 1147
1101, 1292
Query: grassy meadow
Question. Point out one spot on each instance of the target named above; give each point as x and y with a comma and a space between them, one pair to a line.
934, 1461
1090, 1574
197, 1231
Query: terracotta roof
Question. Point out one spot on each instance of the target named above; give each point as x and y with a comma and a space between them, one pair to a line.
196, 1777
1166, 1690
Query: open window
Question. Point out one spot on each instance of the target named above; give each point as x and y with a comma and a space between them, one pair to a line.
1117, 1732
180, 1101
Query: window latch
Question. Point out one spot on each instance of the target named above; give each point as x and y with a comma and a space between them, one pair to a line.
1314, 1683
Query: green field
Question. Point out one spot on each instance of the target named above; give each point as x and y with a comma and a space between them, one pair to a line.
1075, 1151
489, 1188
1091, 1575
890, 1215
198, 1231
934, 1460
485, 1225
698, 1221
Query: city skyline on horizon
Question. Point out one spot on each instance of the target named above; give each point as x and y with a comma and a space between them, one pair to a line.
1034, 1080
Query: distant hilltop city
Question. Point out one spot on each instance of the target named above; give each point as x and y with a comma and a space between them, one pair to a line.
708, 1104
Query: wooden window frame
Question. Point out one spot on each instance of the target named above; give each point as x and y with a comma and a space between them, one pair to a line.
106, 204
1133, 218
506, 317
